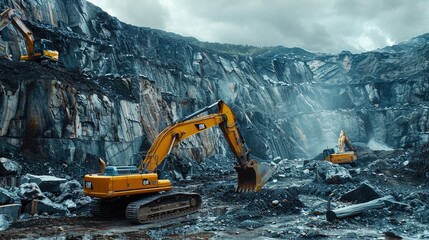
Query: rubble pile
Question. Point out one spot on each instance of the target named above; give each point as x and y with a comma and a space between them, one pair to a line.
42, 196
294, 203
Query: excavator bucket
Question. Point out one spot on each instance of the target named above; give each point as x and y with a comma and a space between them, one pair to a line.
253, 176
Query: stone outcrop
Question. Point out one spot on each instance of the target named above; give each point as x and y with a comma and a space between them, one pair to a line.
289, 102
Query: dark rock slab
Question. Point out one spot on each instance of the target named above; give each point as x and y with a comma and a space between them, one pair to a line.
361, 194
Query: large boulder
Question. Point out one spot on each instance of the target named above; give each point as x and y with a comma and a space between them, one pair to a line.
46, 183
70, 190
73, 198
29, 191
70, 186
332, 173
70, 205
8, 197
9, 167
82, 205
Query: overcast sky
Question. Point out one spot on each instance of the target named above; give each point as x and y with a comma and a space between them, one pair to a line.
328, 26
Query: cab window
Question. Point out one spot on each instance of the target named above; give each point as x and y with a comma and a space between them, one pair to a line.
37, 46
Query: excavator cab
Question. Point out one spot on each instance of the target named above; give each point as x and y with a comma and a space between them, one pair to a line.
328, 152
43, 50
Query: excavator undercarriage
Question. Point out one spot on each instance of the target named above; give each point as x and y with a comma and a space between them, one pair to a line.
162, 207
150, 208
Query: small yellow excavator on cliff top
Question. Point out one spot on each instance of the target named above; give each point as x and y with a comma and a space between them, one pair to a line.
341, 156
39, 50
136, 191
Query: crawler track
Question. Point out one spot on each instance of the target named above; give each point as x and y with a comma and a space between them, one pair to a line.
147, 209
163, 207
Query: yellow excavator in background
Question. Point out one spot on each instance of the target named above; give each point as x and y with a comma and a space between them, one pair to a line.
341, 156
40, 50
137, 191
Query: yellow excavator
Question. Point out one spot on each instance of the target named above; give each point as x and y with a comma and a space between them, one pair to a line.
341, 156
137, 191
40, 50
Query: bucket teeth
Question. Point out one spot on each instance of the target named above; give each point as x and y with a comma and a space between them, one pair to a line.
245, 188
253, 176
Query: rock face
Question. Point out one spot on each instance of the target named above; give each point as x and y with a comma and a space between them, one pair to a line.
289, 102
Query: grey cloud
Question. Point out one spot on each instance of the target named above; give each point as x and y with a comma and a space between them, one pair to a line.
320, 26
148, 13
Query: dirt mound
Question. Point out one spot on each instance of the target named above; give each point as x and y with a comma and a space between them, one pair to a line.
13, 73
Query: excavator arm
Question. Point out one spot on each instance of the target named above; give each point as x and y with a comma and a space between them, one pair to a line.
10, 16
251, 175
173, 135
344, 141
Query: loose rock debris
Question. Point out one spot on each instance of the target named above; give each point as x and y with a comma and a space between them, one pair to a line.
291, 205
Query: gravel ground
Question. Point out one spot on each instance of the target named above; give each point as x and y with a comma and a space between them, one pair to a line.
292, 205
